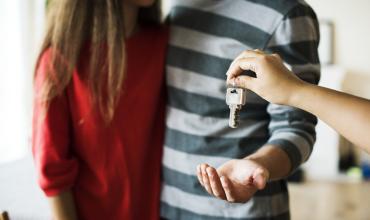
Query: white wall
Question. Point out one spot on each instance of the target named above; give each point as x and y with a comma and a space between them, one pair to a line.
351, 21
351, 39
21, 27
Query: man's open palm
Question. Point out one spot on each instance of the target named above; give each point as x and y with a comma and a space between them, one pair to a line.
234, 181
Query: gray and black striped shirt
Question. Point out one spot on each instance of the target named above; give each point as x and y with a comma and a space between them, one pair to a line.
206, 35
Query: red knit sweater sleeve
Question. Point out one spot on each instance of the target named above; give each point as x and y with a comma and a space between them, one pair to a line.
51, 138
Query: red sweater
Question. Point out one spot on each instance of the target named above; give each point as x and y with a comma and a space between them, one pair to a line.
113, 171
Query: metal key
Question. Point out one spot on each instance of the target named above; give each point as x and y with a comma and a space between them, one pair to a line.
235, 99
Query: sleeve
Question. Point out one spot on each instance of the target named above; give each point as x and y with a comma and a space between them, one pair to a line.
56, 165
296, 40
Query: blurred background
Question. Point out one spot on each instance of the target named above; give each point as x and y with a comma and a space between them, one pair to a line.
332, 185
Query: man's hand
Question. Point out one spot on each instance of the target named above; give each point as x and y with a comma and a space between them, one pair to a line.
235, 181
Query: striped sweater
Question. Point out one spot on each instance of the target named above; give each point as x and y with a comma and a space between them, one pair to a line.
206, 35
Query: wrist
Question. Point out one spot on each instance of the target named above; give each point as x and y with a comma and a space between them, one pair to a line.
274, 160
262, 163
296, 93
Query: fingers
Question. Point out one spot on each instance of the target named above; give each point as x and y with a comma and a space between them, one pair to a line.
227, 186
199, 175
258, 51
240, 65
209, 179
276, 56
248, 60
223, 188
251, 53
205, 179
215, 183
237, 69
234, 67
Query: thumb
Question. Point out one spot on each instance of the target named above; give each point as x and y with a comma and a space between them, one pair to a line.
260, 178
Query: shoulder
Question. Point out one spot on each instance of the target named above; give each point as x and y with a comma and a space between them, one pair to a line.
287, 7
43, 64
49, 61
296, 16
44, 58
47, 57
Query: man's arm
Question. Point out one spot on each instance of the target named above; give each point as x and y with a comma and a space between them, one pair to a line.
296, 40
292, 130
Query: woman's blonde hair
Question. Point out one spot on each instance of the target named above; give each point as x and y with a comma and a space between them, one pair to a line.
73, 23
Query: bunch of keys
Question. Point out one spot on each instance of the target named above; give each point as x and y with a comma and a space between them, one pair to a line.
235, 99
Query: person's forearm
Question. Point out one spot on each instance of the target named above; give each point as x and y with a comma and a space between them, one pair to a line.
63, 206
347, 114
274, 159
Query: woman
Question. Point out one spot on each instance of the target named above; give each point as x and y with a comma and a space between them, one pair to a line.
99, 109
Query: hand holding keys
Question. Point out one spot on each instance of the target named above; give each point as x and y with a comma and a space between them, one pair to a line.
235, 99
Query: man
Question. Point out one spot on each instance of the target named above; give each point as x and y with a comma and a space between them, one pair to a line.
206, 35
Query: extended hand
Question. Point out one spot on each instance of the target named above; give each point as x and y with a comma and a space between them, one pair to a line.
234, 181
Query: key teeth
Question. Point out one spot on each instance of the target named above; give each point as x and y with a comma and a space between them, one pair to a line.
234, 116
233, 124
